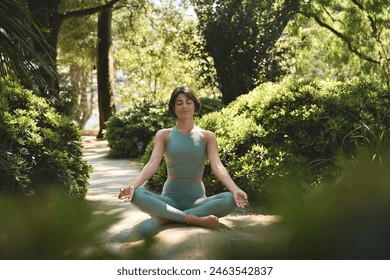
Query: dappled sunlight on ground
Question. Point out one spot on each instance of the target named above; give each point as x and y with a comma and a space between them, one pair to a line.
251, 220
258, 237
109, 174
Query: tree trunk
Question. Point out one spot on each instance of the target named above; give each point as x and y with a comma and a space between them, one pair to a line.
105, 71
80, 78
48, 18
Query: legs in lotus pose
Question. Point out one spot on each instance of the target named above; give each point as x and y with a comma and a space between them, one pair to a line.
203, 212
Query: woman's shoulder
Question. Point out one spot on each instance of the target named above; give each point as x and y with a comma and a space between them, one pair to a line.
207, 132
164, 130
208, 135
164, 133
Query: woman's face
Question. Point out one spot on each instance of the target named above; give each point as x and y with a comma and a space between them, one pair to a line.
184, 107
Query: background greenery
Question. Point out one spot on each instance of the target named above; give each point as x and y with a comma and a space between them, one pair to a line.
39, 149
316, 111
296, 128
140, 122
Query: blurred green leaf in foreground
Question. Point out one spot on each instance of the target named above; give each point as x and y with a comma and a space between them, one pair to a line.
51, 227
344, 219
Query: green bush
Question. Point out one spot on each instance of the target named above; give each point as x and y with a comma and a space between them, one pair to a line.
134, 124
52, 227
140, 122
39, 149
346, 218
295, 128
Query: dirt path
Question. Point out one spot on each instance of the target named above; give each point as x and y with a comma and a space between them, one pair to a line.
241, 235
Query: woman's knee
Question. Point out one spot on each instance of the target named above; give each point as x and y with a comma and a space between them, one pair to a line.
226, 197
227, 203
139, 195
139, 192
147, 228
229, 200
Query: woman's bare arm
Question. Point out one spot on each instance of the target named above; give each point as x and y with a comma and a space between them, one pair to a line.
220, 171
150, 168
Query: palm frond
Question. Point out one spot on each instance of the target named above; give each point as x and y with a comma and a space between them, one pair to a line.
18, 57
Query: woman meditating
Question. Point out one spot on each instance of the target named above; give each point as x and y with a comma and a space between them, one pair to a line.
183, 197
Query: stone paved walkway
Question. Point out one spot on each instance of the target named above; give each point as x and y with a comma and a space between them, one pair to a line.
241, 235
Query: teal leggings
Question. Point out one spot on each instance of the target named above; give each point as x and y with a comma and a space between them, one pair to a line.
162, 206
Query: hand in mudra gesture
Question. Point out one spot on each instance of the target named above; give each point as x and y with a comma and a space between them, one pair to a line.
126, 194
241, 199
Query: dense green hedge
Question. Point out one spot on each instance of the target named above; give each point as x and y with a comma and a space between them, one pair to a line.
141, 121
295, 128
346, 219
39, 149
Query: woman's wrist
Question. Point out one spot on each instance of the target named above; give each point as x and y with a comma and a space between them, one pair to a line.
234, 189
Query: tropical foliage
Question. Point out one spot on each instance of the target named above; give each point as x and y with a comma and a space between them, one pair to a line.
18, 58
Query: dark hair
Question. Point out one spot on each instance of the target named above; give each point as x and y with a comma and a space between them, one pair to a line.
189, 93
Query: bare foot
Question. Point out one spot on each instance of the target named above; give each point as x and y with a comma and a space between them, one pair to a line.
210, 221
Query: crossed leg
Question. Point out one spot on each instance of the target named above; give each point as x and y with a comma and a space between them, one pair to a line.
205, 212
220, 205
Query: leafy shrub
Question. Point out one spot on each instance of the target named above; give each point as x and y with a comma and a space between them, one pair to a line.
39, 149
294, 128
140, 122
50, 226
346, 218
134, 124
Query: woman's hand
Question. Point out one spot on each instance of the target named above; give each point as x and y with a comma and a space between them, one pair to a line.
126, 194
241, 198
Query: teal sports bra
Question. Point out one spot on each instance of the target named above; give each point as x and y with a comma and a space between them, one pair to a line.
185, 154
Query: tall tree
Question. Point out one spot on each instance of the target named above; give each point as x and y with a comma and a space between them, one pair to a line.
154, 48
363, 26
49, 18
105, 70
239, 35
77, 54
